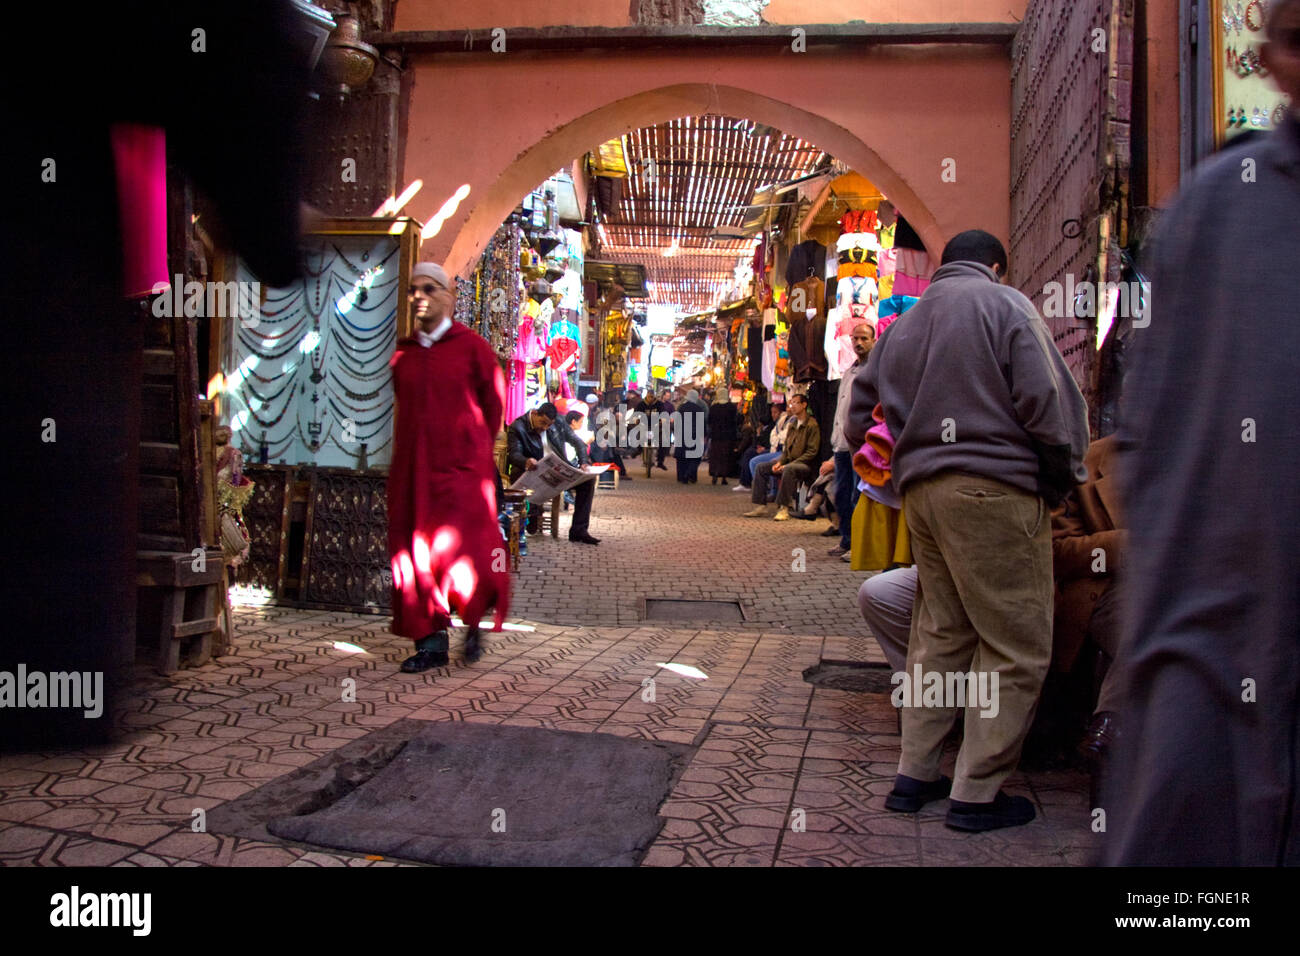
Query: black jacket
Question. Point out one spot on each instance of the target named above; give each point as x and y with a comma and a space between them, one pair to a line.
523, 443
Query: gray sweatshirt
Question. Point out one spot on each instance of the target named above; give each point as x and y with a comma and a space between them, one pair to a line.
970, 381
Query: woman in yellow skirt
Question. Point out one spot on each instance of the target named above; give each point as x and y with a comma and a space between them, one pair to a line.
879, 539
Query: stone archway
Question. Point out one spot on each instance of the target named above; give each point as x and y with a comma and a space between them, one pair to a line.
902, 116
559, 148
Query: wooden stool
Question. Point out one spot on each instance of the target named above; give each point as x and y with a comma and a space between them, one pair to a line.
190, 601
553, 517
518, 499
601, 478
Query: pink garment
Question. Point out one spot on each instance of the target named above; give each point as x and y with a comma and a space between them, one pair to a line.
516, 371
912, 276
909, 285
140, 156
887, 262
529, 347
872, 460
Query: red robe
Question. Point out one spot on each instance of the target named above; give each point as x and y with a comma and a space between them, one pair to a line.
443, 536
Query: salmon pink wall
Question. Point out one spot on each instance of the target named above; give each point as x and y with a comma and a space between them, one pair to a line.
502, 124
895, 11
480, 14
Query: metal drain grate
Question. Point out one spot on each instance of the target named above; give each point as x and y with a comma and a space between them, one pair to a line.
676, 609
858, 676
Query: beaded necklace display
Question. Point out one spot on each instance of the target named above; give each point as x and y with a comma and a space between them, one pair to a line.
349, 298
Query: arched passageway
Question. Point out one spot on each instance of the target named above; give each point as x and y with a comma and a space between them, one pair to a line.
930, 115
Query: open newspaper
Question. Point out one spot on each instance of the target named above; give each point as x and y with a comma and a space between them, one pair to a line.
553, 475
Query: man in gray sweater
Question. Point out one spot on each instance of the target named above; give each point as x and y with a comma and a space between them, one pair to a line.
990, 432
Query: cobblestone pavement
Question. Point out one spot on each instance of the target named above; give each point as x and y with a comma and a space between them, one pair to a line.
784, 773
667, 540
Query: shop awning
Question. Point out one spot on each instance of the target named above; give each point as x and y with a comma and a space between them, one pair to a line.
631, 276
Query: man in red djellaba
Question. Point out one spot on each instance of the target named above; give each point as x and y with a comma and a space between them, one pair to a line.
443, 536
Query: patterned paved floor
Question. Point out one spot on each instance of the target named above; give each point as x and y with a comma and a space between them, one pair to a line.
662, 539
785, 774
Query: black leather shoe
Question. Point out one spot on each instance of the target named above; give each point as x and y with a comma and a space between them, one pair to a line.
585, 539
1103, 730
910, 795
423, 661
473, 646
1004, 811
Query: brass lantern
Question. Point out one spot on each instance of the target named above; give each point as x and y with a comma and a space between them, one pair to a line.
347, 61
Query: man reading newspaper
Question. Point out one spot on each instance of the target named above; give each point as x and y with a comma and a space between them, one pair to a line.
535, 439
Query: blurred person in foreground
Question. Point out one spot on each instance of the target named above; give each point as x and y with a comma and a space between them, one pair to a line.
86, 237
1205, 771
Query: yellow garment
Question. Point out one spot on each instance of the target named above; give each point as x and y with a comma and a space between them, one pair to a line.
880, 537
856, 270
885, 285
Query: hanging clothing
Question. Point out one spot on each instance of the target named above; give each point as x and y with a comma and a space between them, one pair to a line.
442, 517
530, 348
807, 259
890, 309
913, 272
905, 236
886, 267
562, 343
806, 341
812, 293
858, 221
754, 352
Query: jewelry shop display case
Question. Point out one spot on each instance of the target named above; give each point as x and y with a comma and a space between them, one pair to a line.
306, 387
1244, 97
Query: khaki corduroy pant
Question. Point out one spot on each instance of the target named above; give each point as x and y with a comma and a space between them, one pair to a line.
983, 552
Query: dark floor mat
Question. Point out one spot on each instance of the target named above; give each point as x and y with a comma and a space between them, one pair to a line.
461, 794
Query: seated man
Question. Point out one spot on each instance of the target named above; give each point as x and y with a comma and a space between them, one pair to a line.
574, 420
530, 437
604, 441
1087, 550
802, 443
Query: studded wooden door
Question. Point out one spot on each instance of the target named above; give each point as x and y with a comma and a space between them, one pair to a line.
1071, 104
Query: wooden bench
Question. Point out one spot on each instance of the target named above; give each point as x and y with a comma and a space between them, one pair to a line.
191, 603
